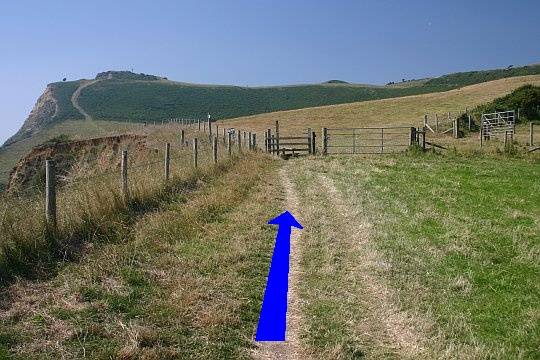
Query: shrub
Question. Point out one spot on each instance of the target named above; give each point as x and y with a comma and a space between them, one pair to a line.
525, 98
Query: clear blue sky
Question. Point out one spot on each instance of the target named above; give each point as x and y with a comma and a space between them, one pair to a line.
252, 42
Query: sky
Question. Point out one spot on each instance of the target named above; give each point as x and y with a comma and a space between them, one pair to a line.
255, 42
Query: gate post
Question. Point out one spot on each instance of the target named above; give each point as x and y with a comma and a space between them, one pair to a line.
531, 132
324, 141
412, 139
269, 143
309, 141
313, 143
277, 137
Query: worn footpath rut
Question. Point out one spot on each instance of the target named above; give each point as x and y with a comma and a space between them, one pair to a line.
391, 329
291, 348
340, 305
75, 98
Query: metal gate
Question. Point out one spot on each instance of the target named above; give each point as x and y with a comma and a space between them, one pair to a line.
368, 140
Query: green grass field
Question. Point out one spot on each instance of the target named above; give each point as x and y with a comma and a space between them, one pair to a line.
404, 256
156, 100
451, 243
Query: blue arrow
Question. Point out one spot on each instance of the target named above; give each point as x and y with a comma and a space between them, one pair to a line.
273, 317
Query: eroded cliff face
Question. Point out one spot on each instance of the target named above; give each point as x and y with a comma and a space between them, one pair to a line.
74, 159
43, 113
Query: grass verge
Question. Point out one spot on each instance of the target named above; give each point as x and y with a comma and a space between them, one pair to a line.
459, 240
182, 282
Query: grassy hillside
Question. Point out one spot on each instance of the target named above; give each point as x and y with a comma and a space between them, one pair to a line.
409, 256
62, 93
419, 256
140, 97
155, 100
396, 111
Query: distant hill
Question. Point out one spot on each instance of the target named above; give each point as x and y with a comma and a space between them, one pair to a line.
335, 82
115, 97
123, 95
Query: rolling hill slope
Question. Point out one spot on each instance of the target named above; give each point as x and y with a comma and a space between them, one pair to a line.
408, 110
120, 96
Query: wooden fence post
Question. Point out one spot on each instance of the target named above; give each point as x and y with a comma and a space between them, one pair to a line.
456, 128
224, 135
254, 142
250, 144
167, 161
182, 137
229, 144
195, 152
215, 149
273, 144
309, 140
269, 144
313, 143
239, 141
277, 137
265, 141
413, 136
424, 140
531, 132
324, 141
50, 194
124, 176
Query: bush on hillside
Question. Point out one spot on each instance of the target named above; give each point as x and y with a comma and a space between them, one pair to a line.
525, 98
59, 139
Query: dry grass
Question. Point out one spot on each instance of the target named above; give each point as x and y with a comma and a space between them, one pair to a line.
349, 311
77, 130
184, 281
407, 111
91, 208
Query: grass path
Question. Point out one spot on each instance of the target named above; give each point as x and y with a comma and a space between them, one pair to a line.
425, 256
75, 98
291, 348
349, 309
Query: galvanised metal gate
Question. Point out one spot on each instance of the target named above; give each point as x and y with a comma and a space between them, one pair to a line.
368, 140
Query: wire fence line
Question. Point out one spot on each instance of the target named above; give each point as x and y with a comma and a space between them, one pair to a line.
205, 149
208, 151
